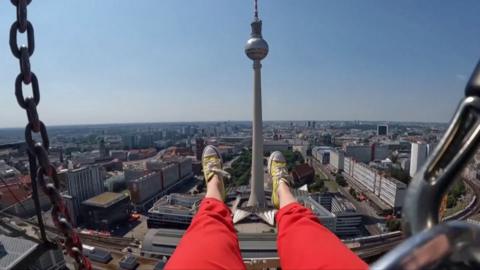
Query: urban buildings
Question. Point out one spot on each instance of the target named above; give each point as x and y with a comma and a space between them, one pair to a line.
173, 210
359, 152
418, 156
15, 250
128, 262
322, 154
302, 174
199, 146
104, 211
389, 191
96, 254
271, 146
337, 158
382, 130
144, 189
147, 186
82, 184
348, 222
367, 152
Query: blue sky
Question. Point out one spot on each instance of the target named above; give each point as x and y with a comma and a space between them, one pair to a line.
114, 61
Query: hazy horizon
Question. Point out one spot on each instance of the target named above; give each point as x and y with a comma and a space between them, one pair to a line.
230, 121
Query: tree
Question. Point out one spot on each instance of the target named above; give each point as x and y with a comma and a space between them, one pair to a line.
394, 156
393, 224
341, 180
352, 192
292, 158
241, 169
451, 201
318, 185
456, 191
400, 175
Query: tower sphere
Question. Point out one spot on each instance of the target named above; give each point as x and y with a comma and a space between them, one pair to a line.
256, 48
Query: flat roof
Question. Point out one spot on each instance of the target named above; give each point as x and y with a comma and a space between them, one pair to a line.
164, 241
105, 199
14, 250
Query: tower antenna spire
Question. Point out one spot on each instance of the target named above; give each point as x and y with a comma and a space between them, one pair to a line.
256, 10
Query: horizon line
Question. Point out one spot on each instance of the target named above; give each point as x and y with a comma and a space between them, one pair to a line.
219, 121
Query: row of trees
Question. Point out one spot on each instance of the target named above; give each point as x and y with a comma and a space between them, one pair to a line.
293, 158
241, 169
340, 180
456, 191
318, 185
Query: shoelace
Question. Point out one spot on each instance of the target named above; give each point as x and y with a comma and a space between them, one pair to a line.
213, 166
282, 175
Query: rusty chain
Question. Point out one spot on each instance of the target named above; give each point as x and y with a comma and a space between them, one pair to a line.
40, 166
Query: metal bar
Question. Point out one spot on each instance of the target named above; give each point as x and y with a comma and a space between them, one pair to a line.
453, 243
428, 186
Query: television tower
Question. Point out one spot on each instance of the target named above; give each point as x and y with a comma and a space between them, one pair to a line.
257, 49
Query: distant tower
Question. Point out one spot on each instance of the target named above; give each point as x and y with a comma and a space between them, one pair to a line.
199, 146
382, 130
102, 149
257, 49
61, 155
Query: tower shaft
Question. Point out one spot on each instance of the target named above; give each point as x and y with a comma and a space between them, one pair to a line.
257, 194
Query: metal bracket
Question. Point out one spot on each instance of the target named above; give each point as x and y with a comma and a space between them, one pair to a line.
428, 186
443, 246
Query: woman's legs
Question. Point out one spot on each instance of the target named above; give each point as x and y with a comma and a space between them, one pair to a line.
303, 243
210, 241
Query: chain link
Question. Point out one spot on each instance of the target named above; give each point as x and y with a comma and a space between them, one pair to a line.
38, 151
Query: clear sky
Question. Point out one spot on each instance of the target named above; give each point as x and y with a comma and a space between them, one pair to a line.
113, 61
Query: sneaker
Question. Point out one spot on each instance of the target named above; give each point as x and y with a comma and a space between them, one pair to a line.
212, 164
277, 169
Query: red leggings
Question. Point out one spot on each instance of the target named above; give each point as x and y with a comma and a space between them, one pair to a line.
303, 243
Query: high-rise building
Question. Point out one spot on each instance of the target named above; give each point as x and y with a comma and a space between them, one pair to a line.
82, 184
359, 152
257, 49
199, 145
418, 156
382, 130
380, 151
145, 187
102, 149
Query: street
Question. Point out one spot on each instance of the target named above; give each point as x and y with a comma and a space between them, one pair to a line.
370, 217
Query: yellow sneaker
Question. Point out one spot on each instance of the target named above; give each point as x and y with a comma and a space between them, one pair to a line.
212, 164
277, 169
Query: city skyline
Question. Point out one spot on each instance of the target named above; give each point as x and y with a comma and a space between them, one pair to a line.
344, 61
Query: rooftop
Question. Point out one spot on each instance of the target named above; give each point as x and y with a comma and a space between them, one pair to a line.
252, 246
14, 250
176, 204
105, 199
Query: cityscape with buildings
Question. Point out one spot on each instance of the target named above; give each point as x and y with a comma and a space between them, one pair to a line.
135, 188
131, 190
